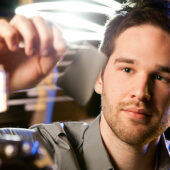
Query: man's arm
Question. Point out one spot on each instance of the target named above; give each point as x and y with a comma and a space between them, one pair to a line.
43, 47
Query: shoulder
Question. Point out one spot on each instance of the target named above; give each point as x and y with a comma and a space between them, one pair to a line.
62, 140
73, 131
57, 128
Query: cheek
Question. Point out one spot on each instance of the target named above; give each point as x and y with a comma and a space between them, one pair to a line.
162, 101
162, 98
114, 89
166, 118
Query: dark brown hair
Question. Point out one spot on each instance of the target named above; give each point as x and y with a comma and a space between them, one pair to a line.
147, 14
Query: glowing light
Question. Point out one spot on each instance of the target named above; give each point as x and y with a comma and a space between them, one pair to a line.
110, 3
71, 6
66, 14
71, 35
73, 21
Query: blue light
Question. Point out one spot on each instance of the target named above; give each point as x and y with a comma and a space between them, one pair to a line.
35, 147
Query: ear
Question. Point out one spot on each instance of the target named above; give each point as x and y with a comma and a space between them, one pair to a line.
99, 84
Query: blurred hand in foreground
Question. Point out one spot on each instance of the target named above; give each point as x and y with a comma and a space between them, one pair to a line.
43, 47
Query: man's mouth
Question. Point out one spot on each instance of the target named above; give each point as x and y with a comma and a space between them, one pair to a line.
137, 113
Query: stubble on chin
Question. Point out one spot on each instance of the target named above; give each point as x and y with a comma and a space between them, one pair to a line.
132, 133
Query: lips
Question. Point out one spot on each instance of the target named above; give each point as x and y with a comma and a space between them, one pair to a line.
137, 113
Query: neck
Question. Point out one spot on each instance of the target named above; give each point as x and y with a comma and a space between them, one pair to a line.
125, 156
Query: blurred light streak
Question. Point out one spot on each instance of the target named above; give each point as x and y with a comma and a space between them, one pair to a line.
65, 15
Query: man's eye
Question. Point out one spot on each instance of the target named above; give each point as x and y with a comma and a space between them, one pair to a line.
158, 77
127, 70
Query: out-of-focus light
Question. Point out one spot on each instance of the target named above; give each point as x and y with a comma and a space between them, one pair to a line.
66, 14
109, 3
72, 21
71, 6
72, 36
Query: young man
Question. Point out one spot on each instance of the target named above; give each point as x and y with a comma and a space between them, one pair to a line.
135, 92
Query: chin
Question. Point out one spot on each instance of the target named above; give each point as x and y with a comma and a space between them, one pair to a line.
134, 134
137, 135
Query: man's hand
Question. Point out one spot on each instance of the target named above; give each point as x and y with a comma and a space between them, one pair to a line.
43, 47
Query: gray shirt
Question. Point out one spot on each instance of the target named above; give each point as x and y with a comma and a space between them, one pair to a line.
77, 145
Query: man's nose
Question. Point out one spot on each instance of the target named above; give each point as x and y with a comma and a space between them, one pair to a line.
141, 89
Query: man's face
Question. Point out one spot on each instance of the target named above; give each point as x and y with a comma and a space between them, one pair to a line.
135, 85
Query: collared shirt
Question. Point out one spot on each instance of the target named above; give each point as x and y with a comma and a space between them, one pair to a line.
76, 146
94, 153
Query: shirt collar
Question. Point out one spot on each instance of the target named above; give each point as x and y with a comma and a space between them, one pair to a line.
164, 154
94, 152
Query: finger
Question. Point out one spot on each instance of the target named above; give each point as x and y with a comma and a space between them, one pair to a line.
45, 36
3, 47
9, 34
59, 43
28, 33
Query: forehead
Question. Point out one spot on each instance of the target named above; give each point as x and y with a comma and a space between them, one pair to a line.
144, 32
145, 42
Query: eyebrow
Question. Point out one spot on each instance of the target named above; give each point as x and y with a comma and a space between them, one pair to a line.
132, 61
125, 60
163, 69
